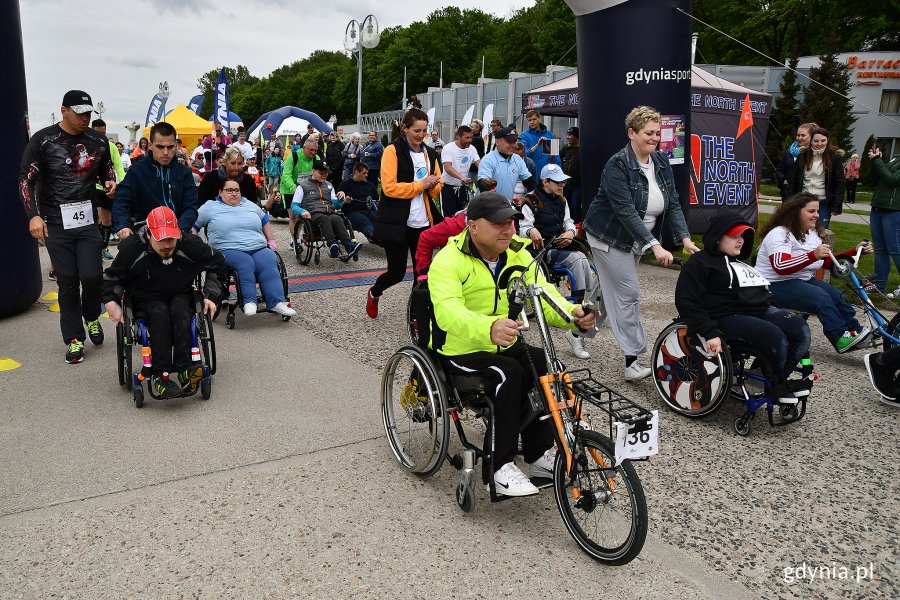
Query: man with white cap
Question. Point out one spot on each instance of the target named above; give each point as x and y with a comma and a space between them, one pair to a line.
159, 269
69, 160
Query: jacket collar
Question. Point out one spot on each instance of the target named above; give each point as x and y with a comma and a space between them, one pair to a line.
632, 161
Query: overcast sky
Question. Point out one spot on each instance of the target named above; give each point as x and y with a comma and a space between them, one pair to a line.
119, 51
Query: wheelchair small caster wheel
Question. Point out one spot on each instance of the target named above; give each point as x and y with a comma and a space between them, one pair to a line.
789, 412
465, 498
743, 426
229, 321
285, 318
317, 258
205, 388
356, 257
138, 393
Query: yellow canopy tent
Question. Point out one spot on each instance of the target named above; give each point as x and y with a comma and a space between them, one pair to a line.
189, 126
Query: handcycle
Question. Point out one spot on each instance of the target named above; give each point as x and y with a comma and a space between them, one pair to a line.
309, 243
597, 489
233, 303
134, 330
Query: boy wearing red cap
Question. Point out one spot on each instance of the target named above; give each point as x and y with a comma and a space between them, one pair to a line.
159, 267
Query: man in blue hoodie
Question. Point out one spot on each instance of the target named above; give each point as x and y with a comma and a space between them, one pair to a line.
533, 140
160, 181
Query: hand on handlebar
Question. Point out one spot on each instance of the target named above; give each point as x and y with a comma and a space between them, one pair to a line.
584, 320
714, 345
867, 247
504, 331
822, 251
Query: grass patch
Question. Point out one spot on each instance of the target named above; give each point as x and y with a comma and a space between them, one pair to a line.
863, 192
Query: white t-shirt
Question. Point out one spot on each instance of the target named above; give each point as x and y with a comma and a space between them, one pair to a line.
418, 216
246, 149
461, 160
781, 241
656, 203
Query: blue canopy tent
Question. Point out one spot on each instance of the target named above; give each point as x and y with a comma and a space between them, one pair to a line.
232, 118
273, 120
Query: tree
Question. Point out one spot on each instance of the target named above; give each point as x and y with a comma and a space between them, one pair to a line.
783, 121
826, 102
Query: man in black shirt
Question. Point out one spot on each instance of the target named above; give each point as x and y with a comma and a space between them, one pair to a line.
359, 194
571, 164
69, 159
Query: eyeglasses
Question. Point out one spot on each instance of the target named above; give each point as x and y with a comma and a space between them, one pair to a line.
231, 190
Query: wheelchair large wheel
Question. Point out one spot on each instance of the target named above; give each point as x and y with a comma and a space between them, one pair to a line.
282, 272
892, 328
120, 352
603, 506
207, 342
123, 336
688, 382
303, 241
414, 411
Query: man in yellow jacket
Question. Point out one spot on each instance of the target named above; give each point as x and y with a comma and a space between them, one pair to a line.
475, 335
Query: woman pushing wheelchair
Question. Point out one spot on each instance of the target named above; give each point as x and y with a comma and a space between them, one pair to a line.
720, 298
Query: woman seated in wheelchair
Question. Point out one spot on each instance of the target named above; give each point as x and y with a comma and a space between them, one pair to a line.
720, 298
545, 215
240, 230
157, 271
316, 200
789, 256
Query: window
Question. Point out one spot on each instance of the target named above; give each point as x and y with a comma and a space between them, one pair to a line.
890, 101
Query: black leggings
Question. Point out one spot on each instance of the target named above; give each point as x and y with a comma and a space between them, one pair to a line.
396, 260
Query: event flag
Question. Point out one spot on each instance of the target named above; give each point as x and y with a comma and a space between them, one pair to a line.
223, 101
746, 117
156, 110
195, 103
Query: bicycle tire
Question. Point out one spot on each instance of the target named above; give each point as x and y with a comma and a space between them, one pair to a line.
586, 513
893, 328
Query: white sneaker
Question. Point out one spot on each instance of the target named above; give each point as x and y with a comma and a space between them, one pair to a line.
636, 371
543, 467
250, 309
284, 310
510, 481
577, 345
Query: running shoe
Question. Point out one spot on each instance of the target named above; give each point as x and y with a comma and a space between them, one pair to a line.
510, 481
848, 341
577, 344
95, 331
881, 377
284, 310
543, 467
636, 371
164, 387
353, 248
75, 352
190, 378
335, 250
106, 254
371, 304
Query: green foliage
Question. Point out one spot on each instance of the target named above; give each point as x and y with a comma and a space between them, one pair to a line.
830, 110
783, 121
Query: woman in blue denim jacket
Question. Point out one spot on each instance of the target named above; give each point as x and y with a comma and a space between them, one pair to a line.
637, 196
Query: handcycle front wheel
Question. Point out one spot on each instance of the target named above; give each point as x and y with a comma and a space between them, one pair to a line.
602, 506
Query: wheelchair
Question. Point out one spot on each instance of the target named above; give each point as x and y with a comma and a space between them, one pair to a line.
561, 276
309, 243
238, 300
134, 331
599, 495
695, 383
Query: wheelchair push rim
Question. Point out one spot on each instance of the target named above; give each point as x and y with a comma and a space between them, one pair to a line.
688, 382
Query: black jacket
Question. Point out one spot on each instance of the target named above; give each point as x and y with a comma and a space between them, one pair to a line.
211, 184
149, 184
783, 172
834, 181
707, 286
140, 269
390, 223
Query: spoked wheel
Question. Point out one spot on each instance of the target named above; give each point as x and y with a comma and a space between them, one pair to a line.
603, 506
303, 243
893, 328
120, 352
208, 341
414, 411
125, 357
689, 382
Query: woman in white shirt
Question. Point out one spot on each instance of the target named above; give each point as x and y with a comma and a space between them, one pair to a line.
819, 171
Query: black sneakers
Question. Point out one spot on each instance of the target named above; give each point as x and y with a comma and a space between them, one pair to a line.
95, 332
164, 387
882, 378
75, 352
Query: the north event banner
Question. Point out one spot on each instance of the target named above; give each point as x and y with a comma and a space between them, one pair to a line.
725, 166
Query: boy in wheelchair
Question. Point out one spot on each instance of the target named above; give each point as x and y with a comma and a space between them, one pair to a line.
720, 298
477, 335
545, 215
158, 269
315, 200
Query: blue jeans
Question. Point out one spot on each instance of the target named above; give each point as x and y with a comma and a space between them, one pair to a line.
259, 265
779, 338
823, 299
886, 238
363, 221
824, 213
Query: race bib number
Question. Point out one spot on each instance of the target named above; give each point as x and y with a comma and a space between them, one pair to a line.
747, 276
77, 214
637, 441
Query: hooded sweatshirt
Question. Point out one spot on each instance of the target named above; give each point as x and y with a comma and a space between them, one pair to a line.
713, 284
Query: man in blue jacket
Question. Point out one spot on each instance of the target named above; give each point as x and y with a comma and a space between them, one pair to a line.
160, 181
371, 155
533, 139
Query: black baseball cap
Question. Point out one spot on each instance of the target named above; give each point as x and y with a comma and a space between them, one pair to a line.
493, 206
509, 132
320, 165
573, 131
78, 101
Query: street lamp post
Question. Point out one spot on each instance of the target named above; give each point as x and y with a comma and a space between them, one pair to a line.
356, 37
100, 108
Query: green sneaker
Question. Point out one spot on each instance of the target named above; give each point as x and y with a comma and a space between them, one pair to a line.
75, 352
190, 378
848, 341
95, 332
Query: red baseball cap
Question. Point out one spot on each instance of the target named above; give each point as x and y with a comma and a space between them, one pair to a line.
738, 230
163, 224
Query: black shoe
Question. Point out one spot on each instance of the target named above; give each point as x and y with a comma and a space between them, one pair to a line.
164, 387
190, 378
75, 352
95, 332
800, 387
881, 377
